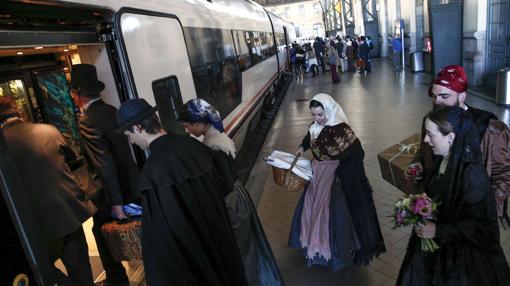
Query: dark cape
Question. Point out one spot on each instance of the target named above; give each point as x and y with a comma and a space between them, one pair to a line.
187, 237
467, 229
109, 155
259, 262
351, 199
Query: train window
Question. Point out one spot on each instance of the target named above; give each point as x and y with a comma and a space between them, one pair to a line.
15, 89
243, 50
214, 66
280, 42
267, 45
167, 94
253, 47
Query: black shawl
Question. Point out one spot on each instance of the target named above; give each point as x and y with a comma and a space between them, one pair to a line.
187, 237
467, 229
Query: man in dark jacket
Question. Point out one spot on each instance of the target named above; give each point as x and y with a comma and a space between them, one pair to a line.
187, 236
318, 47
363, 53
59, 204
109, 155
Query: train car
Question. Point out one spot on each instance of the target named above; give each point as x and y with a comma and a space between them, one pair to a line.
229, 52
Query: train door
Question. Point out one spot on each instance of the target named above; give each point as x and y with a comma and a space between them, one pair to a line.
159, 70
36, 57
287, 44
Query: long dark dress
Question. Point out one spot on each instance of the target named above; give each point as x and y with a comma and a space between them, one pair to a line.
467, 230
352, 209
259, 263
187, 237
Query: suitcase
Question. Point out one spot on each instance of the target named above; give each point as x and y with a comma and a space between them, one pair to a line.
124, 239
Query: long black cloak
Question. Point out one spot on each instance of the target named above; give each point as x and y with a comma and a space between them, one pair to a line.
187, 238
467, 229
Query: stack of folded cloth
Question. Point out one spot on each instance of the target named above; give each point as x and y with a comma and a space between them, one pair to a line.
283, 160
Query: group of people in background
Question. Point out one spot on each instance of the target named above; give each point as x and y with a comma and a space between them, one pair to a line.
199, 224
336, 54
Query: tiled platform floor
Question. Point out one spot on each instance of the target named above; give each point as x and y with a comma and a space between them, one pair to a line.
383, 107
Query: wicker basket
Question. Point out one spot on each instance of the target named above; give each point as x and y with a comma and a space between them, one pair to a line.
288, 180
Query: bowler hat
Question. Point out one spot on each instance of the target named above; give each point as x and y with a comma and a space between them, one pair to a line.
84, 79
133, 112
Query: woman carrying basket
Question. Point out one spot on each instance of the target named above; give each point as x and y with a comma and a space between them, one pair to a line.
335, 221
202, 119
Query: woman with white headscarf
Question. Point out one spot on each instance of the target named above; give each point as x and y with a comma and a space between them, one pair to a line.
335, 221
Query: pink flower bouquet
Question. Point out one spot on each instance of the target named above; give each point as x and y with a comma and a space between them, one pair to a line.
415, 210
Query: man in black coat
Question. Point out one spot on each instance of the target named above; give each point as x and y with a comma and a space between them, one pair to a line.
187, 236
59, 204
109, 155
363, 53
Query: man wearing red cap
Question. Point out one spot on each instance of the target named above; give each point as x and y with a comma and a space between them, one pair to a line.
449, 88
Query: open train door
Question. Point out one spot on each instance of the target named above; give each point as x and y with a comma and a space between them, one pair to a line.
156, 62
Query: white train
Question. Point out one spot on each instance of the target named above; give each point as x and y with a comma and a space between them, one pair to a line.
228, 52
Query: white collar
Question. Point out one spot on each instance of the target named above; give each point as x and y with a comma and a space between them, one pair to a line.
86, 105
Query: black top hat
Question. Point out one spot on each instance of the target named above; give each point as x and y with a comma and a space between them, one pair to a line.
133, 112
84, 79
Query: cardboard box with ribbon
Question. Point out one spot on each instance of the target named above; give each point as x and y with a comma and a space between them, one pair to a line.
395, 160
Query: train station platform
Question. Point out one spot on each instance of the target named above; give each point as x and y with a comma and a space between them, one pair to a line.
383, 108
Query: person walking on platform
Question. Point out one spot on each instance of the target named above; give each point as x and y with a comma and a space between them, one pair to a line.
202, 119
300, 62
449, 88
466, 228
335, 222
396, 46
350, 54
187, 238
318, 46
363, 54
333, 61
60, 206
312, 62
109, 156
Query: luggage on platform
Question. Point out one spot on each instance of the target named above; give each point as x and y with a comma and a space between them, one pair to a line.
124, 238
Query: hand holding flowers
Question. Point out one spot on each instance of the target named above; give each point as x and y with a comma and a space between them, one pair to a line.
417, 210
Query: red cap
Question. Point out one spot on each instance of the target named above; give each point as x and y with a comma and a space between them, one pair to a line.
452, 77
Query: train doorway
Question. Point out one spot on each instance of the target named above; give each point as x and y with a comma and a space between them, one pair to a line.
37, 53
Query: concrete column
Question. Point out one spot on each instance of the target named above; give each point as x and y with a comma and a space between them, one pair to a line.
383, 26
412, 26
474, 40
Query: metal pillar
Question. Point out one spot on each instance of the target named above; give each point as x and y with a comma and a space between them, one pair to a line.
371, 23
348, 14
419, 25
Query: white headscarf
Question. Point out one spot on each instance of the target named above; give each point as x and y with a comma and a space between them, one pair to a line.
333, 111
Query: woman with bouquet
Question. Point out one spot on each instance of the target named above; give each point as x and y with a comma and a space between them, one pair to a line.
335, 222
466, 224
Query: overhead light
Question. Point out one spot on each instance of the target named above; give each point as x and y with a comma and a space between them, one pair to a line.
19, 53
38, 48
66, 50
